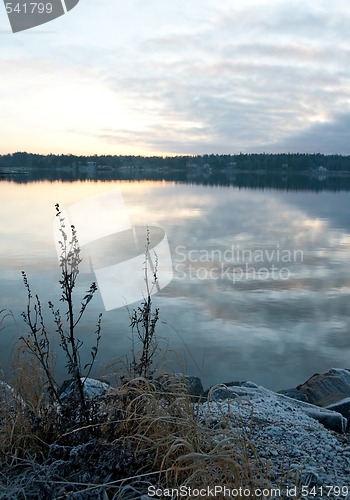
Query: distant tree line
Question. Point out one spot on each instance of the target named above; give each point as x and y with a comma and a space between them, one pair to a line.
285, 162
314, 172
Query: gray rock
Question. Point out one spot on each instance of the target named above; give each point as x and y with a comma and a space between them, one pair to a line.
327, 388
329, 418
9, 400
294, 394
6, 393
92, 388
225, 391
193, 384
219, 393
342, 407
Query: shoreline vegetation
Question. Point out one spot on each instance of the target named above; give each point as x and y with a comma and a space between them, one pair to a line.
154, 438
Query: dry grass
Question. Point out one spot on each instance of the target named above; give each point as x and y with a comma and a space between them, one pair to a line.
157, 433
165, 426
20, 403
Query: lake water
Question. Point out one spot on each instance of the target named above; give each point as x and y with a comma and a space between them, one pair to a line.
261, 278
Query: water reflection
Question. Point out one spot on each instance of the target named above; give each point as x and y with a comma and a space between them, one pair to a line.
237, 314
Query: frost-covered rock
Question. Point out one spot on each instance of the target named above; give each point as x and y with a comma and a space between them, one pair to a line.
6, 392
9, 400
224, 391
324, 389
343, 407
329, 418
332, 420
285, 434
92, 388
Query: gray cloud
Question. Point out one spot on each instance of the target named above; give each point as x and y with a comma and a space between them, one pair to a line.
245, 80
332, 137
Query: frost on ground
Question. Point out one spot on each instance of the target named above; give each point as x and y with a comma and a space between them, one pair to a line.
296, 448
283, 438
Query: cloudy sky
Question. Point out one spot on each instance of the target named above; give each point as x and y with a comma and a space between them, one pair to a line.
182, 77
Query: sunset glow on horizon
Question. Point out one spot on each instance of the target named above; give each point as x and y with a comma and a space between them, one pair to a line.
172, 79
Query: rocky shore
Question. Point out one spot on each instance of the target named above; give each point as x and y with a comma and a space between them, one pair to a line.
301, 433
301, 436
324, 397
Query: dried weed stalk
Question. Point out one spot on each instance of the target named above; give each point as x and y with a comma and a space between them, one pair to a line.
38, 340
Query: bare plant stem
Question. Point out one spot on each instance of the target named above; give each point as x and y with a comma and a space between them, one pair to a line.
38, 340
144, 321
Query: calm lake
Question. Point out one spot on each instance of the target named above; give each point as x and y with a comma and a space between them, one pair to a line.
261, 277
